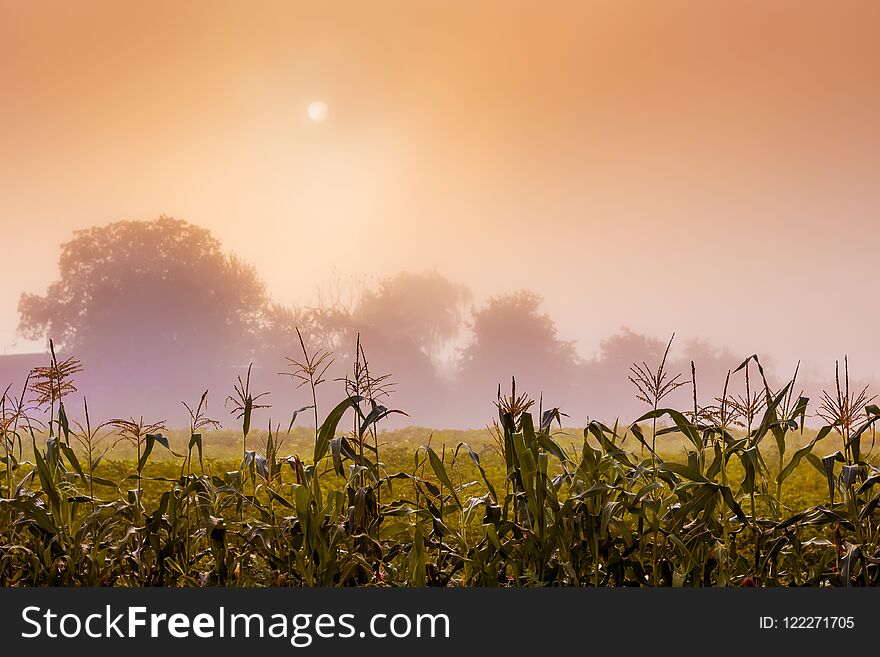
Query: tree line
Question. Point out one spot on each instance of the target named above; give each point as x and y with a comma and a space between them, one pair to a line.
158, 311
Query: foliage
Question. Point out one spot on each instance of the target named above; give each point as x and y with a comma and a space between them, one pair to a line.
425, 309
157, 297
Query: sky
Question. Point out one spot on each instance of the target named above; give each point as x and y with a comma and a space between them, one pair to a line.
709, 168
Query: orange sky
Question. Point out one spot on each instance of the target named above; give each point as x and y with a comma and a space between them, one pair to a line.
710, 168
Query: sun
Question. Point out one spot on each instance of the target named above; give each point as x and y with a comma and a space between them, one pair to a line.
317, 111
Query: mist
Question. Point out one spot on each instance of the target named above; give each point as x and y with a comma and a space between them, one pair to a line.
708, 170
159, 318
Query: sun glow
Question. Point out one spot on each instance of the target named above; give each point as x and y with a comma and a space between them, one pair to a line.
317, 111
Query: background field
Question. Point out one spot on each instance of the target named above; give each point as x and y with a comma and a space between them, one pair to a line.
807, 487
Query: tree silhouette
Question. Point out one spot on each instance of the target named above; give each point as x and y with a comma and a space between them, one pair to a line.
155, 302
511, 337
424, 309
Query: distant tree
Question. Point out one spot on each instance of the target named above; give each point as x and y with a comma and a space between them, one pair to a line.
322, 328
512, 337
424, 309
626, 347
712, 364
405, 325
148, 300
609, 392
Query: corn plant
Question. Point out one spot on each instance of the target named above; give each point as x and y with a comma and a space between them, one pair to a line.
536, 505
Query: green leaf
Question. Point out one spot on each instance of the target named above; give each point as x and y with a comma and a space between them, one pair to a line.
328, 427
71, 457
476, 459
682, 470
798, 456
682, 424
151, 440
440, 472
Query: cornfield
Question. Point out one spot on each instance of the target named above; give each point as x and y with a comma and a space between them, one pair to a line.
535, 507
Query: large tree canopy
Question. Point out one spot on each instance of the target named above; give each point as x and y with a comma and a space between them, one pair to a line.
424, 309
511, 329
149, 297
511, 336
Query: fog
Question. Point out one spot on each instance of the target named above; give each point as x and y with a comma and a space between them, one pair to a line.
708, 170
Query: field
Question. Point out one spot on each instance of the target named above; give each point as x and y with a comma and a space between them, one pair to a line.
222, 453
734, 494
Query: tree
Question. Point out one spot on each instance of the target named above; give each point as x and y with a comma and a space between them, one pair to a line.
424, 309
511, 337
609, 393
157, 302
